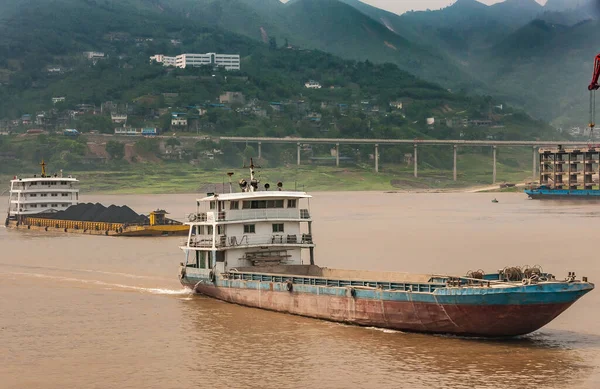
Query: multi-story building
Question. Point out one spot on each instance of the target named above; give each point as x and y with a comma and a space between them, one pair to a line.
228, 61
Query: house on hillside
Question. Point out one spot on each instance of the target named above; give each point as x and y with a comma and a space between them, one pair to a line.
179, 119
276, 106
232, 98
58, 100
311, 84
313, 117
26, 119
118, 118
396, 104
480, 123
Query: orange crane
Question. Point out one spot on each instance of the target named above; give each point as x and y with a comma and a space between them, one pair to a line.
593, 87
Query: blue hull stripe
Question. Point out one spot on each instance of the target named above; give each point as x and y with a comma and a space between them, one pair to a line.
550, 293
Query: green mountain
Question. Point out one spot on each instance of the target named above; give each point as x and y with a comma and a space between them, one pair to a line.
539, 58
468, 46
546, 68
354, 101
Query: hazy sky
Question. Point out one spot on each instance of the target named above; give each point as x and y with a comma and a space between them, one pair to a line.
401, 6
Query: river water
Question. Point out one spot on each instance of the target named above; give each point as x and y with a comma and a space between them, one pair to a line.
105, 312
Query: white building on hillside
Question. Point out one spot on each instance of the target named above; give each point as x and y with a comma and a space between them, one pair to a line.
312, 85
228, 61
93, 55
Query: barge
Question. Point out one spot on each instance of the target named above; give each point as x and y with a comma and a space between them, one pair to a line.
255, 248
50, 203
568, 174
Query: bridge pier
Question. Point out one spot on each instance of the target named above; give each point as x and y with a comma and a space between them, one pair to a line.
259, 150
337, 154
376, 158
494, 167
298, 152
415, 161
454, 170
534, 165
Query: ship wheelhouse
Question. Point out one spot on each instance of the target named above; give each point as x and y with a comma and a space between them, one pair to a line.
252, 228
43, 194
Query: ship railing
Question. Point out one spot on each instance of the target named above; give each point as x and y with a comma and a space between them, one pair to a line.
252, 214
224, 241
334, 282
261, 214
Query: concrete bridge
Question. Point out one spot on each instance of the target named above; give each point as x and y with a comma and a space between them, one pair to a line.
535, 145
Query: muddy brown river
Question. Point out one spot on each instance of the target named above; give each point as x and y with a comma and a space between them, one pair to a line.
105, 312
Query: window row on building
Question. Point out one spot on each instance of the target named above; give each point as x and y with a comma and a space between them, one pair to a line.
46, 205
51, 195
49, 183
228, 61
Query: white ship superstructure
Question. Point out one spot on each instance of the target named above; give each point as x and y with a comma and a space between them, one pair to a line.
43, 194
251, 228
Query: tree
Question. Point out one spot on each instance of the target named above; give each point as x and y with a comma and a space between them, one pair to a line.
116, 150
272, 43
172, 142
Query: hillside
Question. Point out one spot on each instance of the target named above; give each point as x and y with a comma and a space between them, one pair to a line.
37, 38
546, 68
357, 99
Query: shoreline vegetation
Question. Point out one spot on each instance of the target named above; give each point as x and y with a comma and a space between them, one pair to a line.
168, 178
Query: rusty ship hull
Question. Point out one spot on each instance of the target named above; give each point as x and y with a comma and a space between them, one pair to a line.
478, 310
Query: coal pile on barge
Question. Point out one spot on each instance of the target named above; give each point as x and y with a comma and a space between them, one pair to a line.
89, 212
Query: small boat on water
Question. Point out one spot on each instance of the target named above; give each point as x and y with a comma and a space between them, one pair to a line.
51, 203
256, 248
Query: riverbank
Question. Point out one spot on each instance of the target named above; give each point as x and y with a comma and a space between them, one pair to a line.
474, 170
167, 178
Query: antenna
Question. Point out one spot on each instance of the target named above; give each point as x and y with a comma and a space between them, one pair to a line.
253, 181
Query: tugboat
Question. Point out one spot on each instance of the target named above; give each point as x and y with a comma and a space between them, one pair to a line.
256, 248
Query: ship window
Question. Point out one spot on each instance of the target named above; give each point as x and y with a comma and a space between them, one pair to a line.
249, 228
234, 205
63, 182
34, 183
220, 230
209, 230
200, 230
33, 195
275, 204
213, 204
54, 194
33, 205
44, 195
43, 205
278, 227
255, 204
54, 205
292, 203
65, 194
203, 260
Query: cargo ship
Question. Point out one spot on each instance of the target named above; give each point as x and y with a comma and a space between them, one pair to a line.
568, 174
256, 248
50, 203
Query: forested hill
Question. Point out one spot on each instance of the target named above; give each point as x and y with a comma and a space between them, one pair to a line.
354, 101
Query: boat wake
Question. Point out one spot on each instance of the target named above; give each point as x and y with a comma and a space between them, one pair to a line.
108, 285
384, 330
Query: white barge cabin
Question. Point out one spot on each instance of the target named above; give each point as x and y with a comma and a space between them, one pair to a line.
43, 194
247, 229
